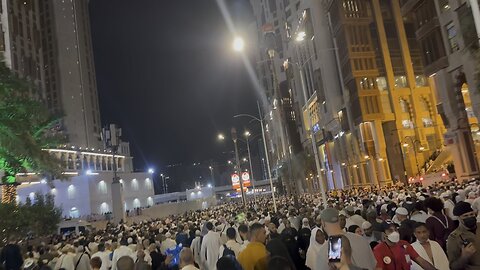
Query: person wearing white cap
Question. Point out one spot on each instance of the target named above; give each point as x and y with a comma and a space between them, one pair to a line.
131, 244
167, 243
121, 251
305, 223
210, 247
353, 219
401, 214
449, 205
367, 228
195, 246
418, 214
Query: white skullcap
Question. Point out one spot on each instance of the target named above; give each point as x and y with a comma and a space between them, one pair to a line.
198, 233
342, 213
129, 240
366, 225
304, 220
384, 207
421, 198
401, 211
168, 235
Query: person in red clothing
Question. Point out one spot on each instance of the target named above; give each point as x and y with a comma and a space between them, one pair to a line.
395, 254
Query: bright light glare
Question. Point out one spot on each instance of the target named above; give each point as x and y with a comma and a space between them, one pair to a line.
209, 185
151, 170
300, 36
221, 137
247, 133
43, 181
89, 172
245, 159
238, 44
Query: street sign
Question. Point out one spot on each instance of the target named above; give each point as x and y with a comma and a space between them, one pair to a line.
246, 179
235, 181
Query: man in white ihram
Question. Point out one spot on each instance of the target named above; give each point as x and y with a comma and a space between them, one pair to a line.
429, 250
210, 248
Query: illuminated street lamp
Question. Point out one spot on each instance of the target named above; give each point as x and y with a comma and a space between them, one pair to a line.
238, 44
300, 36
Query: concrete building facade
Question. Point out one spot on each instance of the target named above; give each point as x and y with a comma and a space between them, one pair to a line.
49, 43
82, 195
448, 33
372, 106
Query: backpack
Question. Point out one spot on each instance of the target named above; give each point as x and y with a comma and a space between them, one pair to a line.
227, 251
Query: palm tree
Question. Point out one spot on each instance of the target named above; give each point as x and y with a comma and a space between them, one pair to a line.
26, 127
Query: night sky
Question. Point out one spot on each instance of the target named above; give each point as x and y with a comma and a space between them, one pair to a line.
167, 74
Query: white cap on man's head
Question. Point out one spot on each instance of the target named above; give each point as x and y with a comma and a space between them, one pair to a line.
366, 225
401, 211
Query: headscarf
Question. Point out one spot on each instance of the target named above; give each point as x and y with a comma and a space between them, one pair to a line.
313, 250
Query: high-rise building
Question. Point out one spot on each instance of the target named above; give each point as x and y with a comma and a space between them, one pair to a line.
281, 109
447, 35
49, 43
372, 108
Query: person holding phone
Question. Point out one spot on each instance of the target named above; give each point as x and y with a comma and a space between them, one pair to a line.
343, 259
462, 243
395, 254
361, 256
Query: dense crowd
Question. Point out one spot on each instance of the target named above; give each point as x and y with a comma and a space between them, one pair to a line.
362, 228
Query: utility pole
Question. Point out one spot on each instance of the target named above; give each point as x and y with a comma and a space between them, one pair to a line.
111, 139
239, 170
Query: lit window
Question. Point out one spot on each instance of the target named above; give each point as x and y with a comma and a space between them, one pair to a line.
407, 124
427, 122
102, 187
134, 184
71, 192
104, 208
148, 184
136, 203
452, 37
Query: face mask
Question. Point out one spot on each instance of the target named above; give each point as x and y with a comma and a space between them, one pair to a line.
470, 222
394, 237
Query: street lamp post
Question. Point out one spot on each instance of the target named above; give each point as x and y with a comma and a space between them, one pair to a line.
211, 174
260, 119
247, 135
234, 138
164, 182
111, 139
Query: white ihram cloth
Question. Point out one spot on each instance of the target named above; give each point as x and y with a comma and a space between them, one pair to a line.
120, 252
439, 257
209, 250
313, 250
195, 247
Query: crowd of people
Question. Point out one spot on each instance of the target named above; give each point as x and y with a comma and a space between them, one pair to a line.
374, 228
